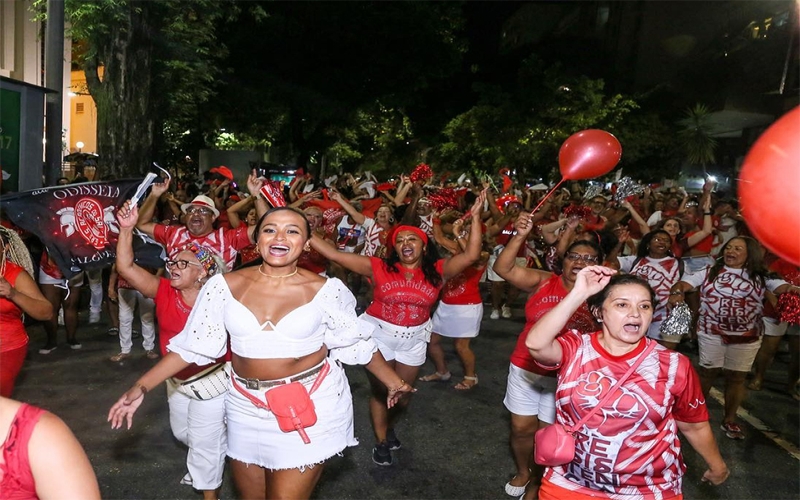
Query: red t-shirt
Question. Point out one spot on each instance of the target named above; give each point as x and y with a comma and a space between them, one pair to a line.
313, 261
463, 289
225, 242
12, 331
172, 313
549, 293
505, 235
16, 480
629, 448
404, 297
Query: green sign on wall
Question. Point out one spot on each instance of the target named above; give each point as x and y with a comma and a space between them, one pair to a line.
9, 136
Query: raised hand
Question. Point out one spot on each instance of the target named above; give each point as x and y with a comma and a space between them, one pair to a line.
159, 189
254, 183
127, 215
592, 279
477, 207
523, 224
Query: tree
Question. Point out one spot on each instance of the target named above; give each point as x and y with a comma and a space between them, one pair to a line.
149, 66
695, 136
324, 67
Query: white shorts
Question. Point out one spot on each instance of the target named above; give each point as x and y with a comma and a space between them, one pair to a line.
457, 321
255, 438
772, 328
493, 276
654, 332
46, 279
530, 394
734, 357
697, 263
406, 344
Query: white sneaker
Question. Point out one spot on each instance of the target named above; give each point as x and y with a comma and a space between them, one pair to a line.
94, 317
506, 312
495, 314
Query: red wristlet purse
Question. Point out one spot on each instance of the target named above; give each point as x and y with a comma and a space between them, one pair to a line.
555, 444
291, 404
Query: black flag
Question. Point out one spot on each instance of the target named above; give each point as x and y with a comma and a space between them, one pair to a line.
78, 225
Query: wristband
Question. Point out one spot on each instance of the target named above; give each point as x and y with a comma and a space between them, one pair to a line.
676, 292
142, 388
402, 383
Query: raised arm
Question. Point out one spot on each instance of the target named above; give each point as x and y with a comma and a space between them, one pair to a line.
402, 190
238, 207
354, 214
541, 340
506, 264
254, 183
457, 263
360, 264
139, 278
145, 222
708, 225
643, 227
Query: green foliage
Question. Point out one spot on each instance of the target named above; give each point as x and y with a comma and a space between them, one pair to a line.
695, 135
523, 127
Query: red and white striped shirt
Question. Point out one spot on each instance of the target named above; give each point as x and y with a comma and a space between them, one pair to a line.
225, 242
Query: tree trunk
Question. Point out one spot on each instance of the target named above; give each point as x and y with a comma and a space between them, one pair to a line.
125, 121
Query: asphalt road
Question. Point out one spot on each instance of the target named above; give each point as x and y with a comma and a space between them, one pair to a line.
455, 443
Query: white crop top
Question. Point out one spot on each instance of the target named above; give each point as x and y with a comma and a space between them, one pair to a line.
329, 319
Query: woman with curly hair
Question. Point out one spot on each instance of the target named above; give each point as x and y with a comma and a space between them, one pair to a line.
406, 286
18, 295
730, 327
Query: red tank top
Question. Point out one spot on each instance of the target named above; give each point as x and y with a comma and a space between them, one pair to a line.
546, 297
17, 481
404, 297
505, 235
12, 331
463, 289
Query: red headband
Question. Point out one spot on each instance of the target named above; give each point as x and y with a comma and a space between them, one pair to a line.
419, 232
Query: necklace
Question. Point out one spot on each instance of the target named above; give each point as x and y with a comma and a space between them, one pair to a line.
282, 276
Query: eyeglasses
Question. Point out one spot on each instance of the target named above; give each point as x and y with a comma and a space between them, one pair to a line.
180, 264
198, 210
589, 259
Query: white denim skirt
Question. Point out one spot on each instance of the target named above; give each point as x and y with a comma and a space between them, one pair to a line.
458, 321
255, 438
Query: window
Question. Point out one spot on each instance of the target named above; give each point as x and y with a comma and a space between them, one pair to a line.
78, 108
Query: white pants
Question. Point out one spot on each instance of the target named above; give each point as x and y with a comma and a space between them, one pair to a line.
127, 304
200, 425
95, 277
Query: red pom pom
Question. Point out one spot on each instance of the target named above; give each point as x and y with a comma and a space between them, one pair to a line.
444, 198
421, 172
789, 308
578, 211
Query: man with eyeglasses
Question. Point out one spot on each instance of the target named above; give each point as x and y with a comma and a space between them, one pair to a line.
198, 226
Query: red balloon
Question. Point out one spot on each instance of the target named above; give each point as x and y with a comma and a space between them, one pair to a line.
588, 154
768, 187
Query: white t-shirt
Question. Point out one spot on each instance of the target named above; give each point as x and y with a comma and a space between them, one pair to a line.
349, 235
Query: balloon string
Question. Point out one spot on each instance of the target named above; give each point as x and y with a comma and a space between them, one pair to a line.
547, 196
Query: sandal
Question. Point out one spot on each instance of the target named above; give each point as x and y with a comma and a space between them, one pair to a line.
436, 377
113, 331
467, 384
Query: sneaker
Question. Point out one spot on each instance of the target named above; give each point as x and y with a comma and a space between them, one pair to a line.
74, 344
732, 430
47, 349
506, 312
113, 331
187, 479
381, 454
120, 357
392, 441
151, 354
495, 314
94, 317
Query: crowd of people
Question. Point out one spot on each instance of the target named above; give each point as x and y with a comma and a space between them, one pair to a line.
357, 271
